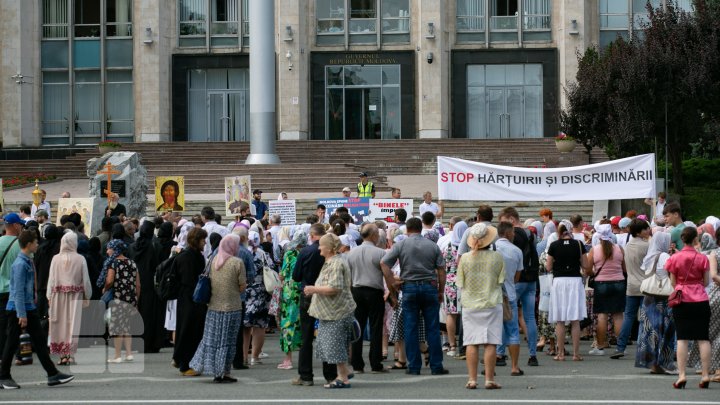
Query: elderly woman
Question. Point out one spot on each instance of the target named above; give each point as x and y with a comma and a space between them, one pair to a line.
215, 354
689, 273
257, 303
68, 285
480, 276
290, 337
333, 305
122, 277
609, 296
656, 337
565, 258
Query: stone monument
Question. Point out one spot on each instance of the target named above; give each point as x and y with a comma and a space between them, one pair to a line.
124, 175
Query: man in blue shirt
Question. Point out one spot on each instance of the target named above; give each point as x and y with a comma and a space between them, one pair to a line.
261, 209
22, 314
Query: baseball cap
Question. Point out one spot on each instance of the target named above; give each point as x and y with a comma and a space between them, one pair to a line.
257, 191
346, 189
13, 218
363, 174
615, 220
624, 222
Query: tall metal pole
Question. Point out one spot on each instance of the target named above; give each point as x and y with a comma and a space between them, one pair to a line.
667, 159
262, 83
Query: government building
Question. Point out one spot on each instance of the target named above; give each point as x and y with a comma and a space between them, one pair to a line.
76, 72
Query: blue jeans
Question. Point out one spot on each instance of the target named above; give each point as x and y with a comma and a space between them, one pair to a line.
632, 304
526, 297
421, 298
511, 330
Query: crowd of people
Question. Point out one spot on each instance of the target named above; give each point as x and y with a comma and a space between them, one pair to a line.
428, 288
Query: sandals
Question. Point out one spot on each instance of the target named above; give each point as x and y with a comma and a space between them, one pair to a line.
402, 365
471, 385
63, 361
492, 385
559, 357
337, 384
578, 357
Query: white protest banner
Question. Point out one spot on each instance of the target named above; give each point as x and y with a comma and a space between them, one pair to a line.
383, 209
632, 177
286, 210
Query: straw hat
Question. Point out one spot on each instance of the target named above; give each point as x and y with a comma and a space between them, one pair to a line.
481, 235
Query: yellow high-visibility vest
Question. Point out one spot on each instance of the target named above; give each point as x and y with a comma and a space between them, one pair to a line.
365, 190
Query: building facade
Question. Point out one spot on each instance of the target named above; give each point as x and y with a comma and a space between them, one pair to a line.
75, 72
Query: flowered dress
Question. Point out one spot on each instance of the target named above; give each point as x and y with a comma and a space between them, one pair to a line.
257, 298
290, 337
124, 305
451, 291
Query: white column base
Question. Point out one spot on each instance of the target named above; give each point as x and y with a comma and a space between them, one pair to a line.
149, 137
293, 136
432, 134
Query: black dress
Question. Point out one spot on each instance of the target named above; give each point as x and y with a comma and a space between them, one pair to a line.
190, 316
150, 306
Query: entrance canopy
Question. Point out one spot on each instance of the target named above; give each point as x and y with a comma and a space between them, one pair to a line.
632, 177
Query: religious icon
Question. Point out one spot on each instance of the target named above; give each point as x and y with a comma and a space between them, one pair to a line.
237, 189
82, 206
170, 193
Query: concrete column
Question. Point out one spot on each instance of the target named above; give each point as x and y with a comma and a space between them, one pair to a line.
262, 83
433, 81
20, 77
571, 40
151, 67
293, 69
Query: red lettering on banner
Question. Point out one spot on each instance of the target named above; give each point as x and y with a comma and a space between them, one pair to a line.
459, 177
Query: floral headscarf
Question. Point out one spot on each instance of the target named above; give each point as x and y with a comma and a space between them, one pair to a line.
299, 239
118, 247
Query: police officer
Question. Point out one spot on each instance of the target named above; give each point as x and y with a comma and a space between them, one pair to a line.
365, 188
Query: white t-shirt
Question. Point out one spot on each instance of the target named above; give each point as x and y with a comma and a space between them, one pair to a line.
432, 207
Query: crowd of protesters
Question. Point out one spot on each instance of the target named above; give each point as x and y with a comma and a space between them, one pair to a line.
430, 289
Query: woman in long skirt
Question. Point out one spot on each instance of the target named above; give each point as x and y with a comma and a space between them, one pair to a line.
68, 285
290, 334
216, 351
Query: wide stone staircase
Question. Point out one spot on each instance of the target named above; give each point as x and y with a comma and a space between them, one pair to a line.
312, 166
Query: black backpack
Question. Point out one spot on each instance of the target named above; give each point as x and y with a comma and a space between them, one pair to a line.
167, 281
531, 262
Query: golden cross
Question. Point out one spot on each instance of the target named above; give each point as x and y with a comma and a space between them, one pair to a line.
109, 171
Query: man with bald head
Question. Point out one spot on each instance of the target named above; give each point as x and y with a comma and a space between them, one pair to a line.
368, 292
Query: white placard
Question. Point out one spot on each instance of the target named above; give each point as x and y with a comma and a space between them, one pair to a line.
632, 177
384, 208
286, 210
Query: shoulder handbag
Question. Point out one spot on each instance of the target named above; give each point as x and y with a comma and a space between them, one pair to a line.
203, 290
271, 278
507, 310
653, 286
676, 296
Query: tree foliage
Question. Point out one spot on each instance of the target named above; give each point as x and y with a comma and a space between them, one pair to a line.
620, 98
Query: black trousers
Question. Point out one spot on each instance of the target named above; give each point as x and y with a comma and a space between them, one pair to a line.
370, 305
239, 359
307, 328
4, 297
39, 341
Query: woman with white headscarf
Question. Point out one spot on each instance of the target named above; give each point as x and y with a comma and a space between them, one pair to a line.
609, 292
656, 338
171, 307
257, 302
450, 253
68, 285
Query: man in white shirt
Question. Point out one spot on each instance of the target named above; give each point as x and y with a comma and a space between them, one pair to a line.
210, 226
659, 204
513, 258
44, 205
429, 205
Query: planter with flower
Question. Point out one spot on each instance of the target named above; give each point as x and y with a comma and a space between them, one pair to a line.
565, 143
109, 146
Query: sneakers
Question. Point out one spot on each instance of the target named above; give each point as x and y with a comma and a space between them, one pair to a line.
299, 381
59, 379
596, 352
9, 384
618, 354
533, 361
442, 371
446, 346
116, 360
263, 355
451, 352
254, 361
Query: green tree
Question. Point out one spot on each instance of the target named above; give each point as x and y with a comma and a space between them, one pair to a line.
622, 92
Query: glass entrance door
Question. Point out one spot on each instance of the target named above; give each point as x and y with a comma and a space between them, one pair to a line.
363, 107
227, 120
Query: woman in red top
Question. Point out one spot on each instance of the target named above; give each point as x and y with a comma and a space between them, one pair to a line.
689, 273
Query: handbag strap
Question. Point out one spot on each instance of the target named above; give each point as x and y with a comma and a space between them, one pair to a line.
657, 259
7, 250
601, 266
